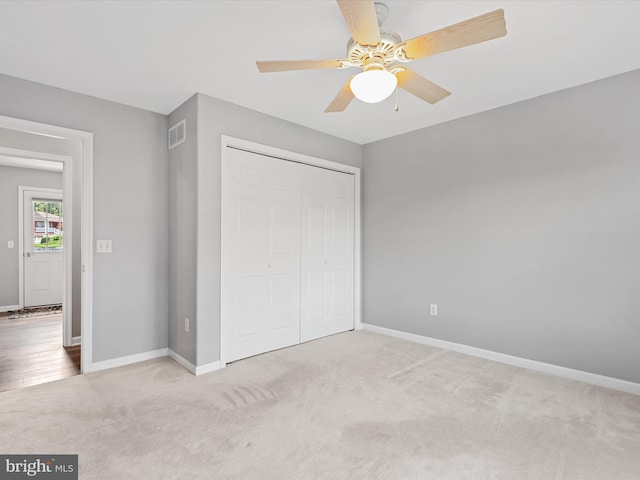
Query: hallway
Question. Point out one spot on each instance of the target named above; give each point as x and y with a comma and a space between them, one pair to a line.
31, 351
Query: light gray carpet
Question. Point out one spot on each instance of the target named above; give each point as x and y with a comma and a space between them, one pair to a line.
355, 405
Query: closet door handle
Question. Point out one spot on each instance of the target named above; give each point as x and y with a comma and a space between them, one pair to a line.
269, 265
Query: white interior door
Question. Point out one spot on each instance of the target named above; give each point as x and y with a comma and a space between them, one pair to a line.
43, 248
327, 253
261, 251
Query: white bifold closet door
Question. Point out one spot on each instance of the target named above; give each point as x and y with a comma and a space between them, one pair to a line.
327, 251
288, 253
262, 249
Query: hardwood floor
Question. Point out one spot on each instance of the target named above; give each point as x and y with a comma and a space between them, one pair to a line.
31, 352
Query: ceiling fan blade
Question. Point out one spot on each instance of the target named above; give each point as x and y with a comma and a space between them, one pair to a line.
421, 87
362, 20
288, 65
342, 100
475, 30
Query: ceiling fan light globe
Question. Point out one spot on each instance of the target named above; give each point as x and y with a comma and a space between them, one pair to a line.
373, 86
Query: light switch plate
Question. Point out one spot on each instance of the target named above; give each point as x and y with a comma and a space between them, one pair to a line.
10, 244
103, 246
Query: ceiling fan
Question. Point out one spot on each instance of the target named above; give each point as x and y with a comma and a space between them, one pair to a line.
381, 54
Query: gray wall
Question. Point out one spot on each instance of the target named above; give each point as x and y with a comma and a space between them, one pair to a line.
130, 207
73, 149
10, 179
183, 212
521, 223
214, 118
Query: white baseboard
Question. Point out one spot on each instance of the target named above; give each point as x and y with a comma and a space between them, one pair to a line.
76, 341
8, 308
129, 359
209, 367
579, 375
182, 361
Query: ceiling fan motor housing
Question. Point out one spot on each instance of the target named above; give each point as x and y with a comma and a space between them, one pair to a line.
382, 54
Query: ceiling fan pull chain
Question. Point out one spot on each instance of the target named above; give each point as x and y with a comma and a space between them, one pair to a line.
397, 109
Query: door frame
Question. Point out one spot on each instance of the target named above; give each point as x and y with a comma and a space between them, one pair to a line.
67, 256
260, 149
86, 216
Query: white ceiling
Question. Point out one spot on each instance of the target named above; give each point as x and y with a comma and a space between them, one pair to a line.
156, 54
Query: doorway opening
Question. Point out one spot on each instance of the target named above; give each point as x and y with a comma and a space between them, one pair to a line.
37, 344
49, 231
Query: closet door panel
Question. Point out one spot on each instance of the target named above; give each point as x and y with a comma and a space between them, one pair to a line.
339, 288
248, 313
261, 248
283, 253
284, 299
340, 254
327, 253
315, 297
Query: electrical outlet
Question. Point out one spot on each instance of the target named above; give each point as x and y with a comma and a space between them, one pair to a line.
433, 310
186, 324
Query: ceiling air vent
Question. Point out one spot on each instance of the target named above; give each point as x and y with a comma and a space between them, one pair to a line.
177, 134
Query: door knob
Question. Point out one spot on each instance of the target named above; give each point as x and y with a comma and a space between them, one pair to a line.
28, 254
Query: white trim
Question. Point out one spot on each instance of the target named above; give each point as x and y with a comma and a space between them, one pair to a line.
357, 254
47, 130
202, 369
227, 141
579, 375
75, 341
8, 308
21, 247
128, 360
30, 163
86, 247
183, 362
69, 246
86, 241
209, 367
223, 263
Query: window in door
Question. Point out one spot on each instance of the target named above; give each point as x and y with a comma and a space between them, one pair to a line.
48, 226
